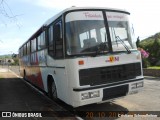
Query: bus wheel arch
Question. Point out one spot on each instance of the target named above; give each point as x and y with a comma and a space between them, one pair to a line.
52, 89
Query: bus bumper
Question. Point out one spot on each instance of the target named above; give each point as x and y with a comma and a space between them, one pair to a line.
106, 93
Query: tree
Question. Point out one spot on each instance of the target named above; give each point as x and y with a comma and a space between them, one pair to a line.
14, 55
6, 12
16, 61
155, 51
138, 42
152, 45
15, 58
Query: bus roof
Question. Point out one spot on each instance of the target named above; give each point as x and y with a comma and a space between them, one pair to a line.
81, 8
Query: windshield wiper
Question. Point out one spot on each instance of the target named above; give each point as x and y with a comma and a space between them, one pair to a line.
122, 42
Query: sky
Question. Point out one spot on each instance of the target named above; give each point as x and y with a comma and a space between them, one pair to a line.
19, 19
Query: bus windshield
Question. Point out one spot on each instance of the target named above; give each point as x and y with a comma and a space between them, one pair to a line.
120, 31
86, 33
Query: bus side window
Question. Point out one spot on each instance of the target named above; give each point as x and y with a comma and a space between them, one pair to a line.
57, 32
51, 50
41, 41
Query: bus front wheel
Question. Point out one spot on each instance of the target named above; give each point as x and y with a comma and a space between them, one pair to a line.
53, 90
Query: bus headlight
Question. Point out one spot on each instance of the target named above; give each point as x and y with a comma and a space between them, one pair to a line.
94, 94
140, 84
89, 95
133, 86
85, 96
136, 85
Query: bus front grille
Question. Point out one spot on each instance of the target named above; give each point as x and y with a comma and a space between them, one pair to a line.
109, 74
114, 92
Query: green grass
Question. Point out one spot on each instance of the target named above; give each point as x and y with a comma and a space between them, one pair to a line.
0, 77
154, 67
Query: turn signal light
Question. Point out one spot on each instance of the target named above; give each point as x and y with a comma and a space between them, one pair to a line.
81, 62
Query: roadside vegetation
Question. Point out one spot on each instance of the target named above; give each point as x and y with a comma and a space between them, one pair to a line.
1, 77
151, 46
11, 59
154, 67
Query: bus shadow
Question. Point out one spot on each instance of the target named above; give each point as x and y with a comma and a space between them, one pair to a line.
108, 106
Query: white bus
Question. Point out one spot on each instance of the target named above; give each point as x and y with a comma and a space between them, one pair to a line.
83, 56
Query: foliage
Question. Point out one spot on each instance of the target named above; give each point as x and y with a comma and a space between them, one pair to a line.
144, 55
5, 56
9, 57
152, 46
154, 67
138, 42
16, 61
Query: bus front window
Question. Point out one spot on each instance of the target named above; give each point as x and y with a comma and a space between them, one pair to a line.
85, 32
120, 31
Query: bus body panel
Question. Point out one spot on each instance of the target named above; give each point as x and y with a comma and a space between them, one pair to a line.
38, 75
73, 68
58, 72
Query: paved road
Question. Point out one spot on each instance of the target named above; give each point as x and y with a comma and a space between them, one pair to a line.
146, 100
16, 95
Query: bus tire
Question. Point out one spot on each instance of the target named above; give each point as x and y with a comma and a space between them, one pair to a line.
24, 75
53, 90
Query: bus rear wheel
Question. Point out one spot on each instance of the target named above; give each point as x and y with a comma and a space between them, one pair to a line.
53, 91
24, 75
